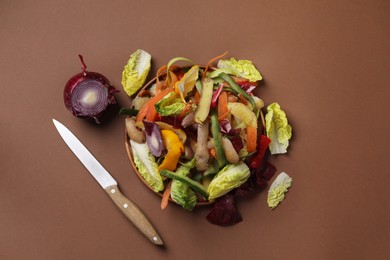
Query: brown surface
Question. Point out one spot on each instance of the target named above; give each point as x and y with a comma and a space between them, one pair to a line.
327, 64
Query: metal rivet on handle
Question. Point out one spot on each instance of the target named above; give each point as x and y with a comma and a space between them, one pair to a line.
112, 190
125, 206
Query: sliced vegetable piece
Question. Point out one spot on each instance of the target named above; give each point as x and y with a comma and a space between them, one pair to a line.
237, 142
170, 65
196, 186
205, 100
268, 171
165, 197
187, 82
128, 111
201, 152
251, 138
277, 128
133, 132
257, 160
215, 96
230, 152
224, 212
159, 84
180, 133
211, 61
153, 138
174, 150
239, 90
217, 72
259, 102
241, 68
173, 77
230, 177
180, 191
217, 138
188, 120
223, 110
146, 165
226, 127
278, 188
139, 102
136, 71
198, 85
170, 104
148, 110
243, 114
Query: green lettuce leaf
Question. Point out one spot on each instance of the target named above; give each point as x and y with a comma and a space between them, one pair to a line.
180, 192
240, 68
277, 128
171, 104
277, 190
230, 177
146, 165
136, 71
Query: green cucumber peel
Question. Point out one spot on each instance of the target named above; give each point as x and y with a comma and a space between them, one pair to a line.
203, 109
196, 186
217, 138
128, 111
236, 88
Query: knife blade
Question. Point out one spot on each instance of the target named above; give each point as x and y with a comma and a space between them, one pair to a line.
108, 183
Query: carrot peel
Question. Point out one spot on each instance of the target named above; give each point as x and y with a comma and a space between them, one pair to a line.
251, 133
166, 195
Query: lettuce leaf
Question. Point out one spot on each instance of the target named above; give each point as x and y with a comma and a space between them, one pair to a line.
277, 190
135, 71
230, 177
146, 165
240, 68
277, 128
180, 192
171, 104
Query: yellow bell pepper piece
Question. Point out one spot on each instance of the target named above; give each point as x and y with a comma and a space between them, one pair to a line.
174, 147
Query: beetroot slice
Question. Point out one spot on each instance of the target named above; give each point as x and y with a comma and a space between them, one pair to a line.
224, 212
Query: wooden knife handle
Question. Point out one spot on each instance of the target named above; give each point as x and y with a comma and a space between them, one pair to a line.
134, 214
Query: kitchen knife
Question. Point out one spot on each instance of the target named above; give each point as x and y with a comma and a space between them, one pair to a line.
128, 208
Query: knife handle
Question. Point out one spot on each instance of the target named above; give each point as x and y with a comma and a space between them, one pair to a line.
134, 214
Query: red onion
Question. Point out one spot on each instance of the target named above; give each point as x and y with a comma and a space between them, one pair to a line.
153, 138
88, 94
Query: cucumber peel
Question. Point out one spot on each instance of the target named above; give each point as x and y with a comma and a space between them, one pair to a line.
196, 186
217, 138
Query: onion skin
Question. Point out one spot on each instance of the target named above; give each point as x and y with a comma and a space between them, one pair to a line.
153, 138
88, 94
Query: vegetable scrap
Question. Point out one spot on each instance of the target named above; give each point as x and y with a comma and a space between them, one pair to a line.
136, 71
278, 189
198, 134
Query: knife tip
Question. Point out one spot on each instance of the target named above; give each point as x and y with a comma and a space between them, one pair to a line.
157, 240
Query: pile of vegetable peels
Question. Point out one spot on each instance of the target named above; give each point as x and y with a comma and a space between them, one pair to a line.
197, 133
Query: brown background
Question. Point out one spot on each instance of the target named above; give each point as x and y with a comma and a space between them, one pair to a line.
326, 62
